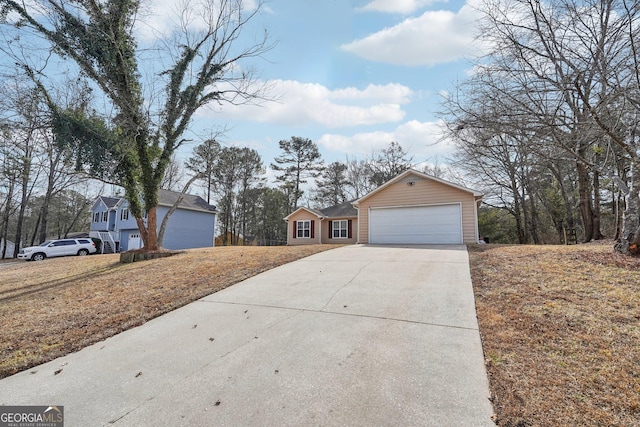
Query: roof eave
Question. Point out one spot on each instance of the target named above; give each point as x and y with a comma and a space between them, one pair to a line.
286, 218
420, 174
189, 208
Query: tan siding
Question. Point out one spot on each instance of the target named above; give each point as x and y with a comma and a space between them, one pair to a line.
422, 192
325, 232
303, 216
321, 230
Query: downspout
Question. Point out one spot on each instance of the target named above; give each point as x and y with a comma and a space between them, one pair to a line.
369, 225
476, 205
358, 224
358, 227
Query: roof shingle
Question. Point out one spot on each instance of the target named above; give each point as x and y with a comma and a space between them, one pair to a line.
341, 210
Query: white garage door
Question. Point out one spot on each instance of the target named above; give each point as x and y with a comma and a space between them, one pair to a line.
416, 225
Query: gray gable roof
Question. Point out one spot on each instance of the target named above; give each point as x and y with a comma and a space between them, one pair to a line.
166, 198
110, 201
342, 210
190, 201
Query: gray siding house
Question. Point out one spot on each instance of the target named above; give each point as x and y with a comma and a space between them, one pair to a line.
192, 225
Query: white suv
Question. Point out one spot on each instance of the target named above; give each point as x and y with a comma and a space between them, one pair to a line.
53, 248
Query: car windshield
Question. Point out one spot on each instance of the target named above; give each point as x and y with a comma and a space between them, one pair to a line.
45, 243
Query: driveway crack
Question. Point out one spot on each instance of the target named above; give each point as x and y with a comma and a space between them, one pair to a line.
298, 311
345, 285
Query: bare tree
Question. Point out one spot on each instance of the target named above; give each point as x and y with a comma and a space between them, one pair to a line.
136, 132
563, 71
358, 175
388, 162
174, 175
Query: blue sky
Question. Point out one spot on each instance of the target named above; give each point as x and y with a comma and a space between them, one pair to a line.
351, 75
354, 75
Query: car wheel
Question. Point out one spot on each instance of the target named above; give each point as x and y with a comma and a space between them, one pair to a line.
38, 257
83, 252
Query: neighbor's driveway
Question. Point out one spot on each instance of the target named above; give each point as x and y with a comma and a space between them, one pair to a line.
358, 336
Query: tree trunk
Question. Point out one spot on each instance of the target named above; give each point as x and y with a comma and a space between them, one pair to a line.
616, 200
525, 217
142, 227
630, 239
296, 196
596, 229
565, 197
149, 232
5, 218
23, 206
584, 201
44, 212
534, 221
35, 230
152, 231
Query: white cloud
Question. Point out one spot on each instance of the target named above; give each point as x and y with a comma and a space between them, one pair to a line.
308, 103
396, 6
422, 140
160, 18
392, 92
434, 37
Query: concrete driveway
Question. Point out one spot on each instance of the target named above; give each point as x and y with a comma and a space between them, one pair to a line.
356, 336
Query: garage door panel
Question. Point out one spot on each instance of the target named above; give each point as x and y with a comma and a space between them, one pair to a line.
416, 225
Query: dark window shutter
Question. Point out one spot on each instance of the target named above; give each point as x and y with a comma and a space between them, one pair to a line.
295, 229
330, 229
350, 227
313, 229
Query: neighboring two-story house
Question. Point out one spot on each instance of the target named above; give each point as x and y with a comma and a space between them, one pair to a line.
192, 224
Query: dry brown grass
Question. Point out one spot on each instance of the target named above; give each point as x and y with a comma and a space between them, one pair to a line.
58, 306
560, 324
561, 333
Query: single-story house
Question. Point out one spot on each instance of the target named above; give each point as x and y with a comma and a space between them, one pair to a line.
335, 224
192, 224
412, 208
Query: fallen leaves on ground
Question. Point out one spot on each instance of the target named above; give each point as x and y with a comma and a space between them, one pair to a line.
560, 324
561, 333
57, 306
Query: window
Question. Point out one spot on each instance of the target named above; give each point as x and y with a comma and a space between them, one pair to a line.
96, 217
124, 214
340, 229
104, 216
304, 229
